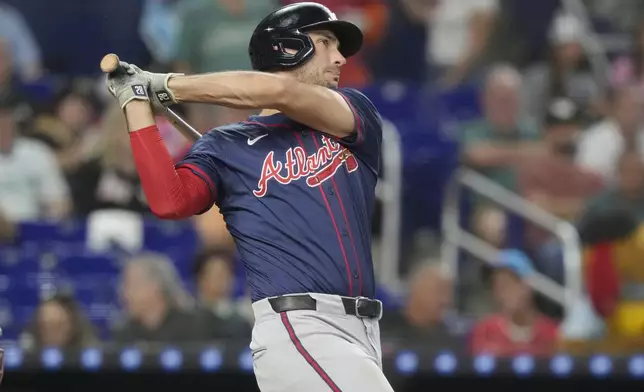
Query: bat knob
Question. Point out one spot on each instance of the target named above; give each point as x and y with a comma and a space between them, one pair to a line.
109, 63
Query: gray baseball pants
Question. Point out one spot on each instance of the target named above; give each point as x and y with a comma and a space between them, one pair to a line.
316, 350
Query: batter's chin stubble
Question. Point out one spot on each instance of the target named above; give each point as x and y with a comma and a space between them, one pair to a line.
305, 75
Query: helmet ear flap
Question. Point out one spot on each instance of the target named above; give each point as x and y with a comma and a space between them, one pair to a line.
283, 45
281, 50
292, 47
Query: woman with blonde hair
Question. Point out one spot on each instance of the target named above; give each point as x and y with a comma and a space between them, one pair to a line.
107, 179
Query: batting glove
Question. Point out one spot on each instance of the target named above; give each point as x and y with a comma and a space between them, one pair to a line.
158, 86
128, 86
161, 93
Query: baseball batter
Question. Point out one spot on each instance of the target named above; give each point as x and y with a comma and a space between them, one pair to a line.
296, 187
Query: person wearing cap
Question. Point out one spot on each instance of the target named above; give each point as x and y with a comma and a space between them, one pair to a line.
518, 327
554, 181
567, 72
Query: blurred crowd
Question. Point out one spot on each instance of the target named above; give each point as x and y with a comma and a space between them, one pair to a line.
561, 126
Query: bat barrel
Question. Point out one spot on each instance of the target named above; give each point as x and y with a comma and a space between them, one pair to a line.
110, 63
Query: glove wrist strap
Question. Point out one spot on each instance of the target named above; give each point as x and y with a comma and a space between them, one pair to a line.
165, 95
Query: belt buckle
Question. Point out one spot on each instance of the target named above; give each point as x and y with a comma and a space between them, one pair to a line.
359, 299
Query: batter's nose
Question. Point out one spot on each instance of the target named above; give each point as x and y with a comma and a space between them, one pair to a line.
339, 59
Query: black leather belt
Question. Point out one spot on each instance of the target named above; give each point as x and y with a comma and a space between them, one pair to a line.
360, 306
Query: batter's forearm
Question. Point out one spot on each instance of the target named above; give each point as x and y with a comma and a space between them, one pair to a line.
139, 115
236, 89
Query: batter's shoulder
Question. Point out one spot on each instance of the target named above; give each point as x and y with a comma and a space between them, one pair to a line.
362, 106
356, 95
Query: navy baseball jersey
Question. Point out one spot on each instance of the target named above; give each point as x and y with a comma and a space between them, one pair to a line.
298, 202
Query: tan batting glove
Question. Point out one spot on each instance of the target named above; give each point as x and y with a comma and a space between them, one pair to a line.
161, 93
128, 86
162, 96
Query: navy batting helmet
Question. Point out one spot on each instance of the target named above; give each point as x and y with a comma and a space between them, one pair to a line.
285, 29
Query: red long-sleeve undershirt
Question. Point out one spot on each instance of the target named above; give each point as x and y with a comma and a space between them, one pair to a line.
171, 193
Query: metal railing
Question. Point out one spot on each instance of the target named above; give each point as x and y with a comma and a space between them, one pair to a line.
389, 192
455, 237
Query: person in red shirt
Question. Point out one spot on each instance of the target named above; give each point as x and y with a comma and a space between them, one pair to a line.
518, 328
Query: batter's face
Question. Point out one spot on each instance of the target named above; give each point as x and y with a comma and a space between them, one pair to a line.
324, 68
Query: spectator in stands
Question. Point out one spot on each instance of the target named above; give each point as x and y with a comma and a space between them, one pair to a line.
159, 29
398, 54
518, 327
32, 186
556, 183
628, 193
59, 322
212, 229
423, 319
521, 36
26, 53
107, 179
613, 242
157, 306
602, 144
10, 84
214, 272
214, 37
8, 80
567, 74
496, 144
609, 20
501, 140
629, 69
8, 230
68, 130
459, 33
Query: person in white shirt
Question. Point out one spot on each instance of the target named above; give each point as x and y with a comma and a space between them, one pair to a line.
601, 145
32, 186
459, 33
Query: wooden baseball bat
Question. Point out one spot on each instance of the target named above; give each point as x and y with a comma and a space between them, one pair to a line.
110, 64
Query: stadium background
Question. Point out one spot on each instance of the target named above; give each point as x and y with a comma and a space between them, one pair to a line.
501, 115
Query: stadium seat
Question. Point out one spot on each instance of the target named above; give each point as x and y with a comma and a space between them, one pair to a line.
88, 264
162, 235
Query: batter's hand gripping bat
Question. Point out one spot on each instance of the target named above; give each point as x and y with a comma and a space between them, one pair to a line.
110, 64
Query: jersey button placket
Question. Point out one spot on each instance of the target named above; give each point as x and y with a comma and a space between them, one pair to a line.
330, 190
